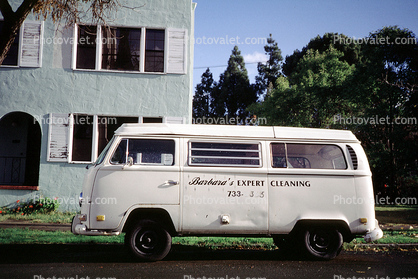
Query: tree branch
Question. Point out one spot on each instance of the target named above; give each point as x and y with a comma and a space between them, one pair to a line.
6, 10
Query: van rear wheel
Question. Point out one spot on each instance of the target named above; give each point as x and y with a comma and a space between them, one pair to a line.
322, 243
148, 241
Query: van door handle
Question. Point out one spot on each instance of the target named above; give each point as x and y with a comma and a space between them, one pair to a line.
171, 182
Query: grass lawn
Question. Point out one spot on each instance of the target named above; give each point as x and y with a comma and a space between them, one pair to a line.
27, 236
392, 215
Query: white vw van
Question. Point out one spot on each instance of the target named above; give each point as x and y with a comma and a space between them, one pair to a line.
309, 189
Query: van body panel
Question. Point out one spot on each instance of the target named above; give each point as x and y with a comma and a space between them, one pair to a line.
364, 204
225, 180
145, 185
117, 187
209, 193
317, 193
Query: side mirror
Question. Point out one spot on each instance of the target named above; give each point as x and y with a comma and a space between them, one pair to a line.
129, 163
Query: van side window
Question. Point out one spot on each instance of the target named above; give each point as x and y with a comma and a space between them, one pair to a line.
315, 156
145, 152
278, 155
224, 154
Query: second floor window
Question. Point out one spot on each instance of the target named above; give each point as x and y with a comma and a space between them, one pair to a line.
120, 49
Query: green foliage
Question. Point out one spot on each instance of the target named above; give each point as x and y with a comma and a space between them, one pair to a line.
315, 95
271, 70
351, 51
203, 96
386, 87
234, 92
40, 205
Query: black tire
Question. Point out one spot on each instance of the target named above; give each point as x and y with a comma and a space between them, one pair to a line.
321, 243
148, 241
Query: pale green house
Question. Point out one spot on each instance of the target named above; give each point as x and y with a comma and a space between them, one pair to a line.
64, 92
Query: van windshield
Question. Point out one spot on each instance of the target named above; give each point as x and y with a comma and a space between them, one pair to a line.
103, 154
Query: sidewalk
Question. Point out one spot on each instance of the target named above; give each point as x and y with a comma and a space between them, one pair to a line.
35, 226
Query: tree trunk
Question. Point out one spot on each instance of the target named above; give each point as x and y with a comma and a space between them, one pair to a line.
7, 37
12, 23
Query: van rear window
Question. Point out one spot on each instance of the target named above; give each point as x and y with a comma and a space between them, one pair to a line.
224, 154
309, 156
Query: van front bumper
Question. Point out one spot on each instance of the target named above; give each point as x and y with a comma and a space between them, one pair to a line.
374, 234
77, 227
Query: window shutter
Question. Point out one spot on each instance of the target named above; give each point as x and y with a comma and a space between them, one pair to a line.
58, 137
31, 44
177, 58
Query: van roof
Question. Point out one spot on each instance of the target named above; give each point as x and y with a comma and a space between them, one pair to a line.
230, 131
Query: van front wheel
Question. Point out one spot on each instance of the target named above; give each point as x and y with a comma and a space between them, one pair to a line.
322, 243
148, 241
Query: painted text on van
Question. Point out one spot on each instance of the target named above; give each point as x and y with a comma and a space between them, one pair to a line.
291, 183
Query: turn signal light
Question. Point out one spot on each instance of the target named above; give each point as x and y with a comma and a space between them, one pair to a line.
100, 217
363, 220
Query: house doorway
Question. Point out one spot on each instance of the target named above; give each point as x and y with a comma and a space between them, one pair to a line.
20, 149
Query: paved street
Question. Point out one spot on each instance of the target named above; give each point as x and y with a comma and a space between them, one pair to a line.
112, 261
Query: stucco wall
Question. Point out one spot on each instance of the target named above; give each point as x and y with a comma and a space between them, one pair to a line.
56, 88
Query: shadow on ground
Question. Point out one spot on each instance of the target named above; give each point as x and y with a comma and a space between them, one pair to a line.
117, 253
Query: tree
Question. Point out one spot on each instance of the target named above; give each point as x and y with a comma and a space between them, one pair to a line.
387, 88
314, 97
270, 71
68, 11
234, 91
202, 97
351, 51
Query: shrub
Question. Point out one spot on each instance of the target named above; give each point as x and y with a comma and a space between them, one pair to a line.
39, 205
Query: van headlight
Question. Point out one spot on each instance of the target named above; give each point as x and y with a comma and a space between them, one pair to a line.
80, 199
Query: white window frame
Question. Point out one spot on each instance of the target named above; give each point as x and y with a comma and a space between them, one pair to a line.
175, 51
258, 151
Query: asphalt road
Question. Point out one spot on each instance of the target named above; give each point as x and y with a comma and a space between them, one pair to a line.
113, 261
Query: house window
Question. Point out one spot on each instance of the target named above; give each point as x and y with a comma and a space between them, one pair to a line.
107, 126
26, 50
87, 143
128, 49
82, 138
120, 48
13, 54
154, 51
86, 47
